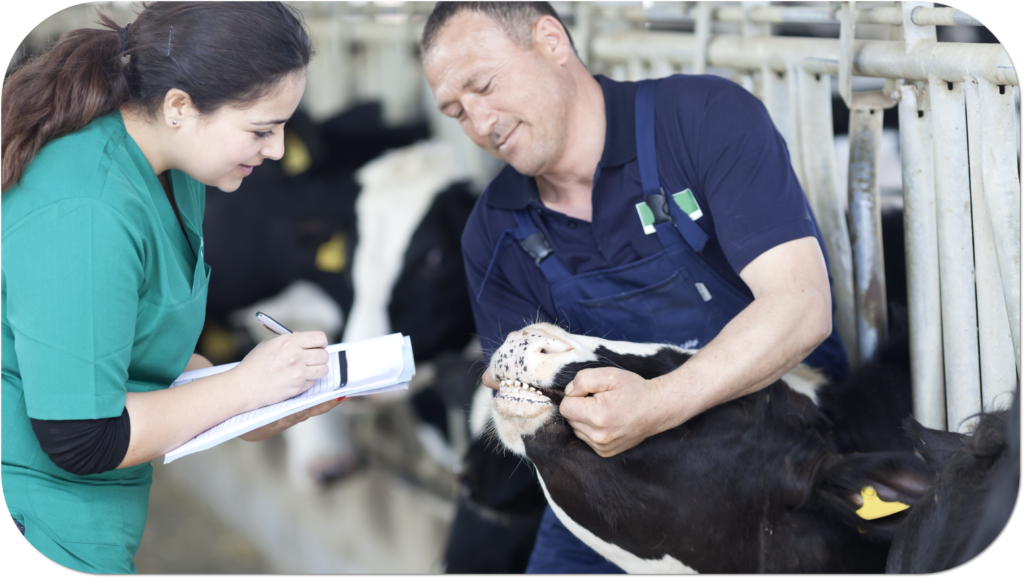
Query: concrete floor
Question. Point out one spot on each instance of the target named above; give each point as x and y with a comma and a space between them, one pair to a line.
184, 536
230, 510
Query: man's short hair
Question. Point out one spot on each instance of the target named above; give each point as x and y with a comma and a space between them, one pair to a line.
515, 18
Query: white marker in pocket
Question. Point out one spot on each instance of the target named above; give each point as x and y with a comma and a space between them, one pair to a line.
704, 293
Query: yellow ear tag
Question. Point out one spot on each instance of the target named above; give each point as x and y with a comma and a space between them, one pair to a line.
296, 155
874, 507
330, 256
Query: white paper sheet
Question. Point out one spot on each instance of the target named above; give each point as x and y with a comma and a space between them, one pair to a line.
374, 366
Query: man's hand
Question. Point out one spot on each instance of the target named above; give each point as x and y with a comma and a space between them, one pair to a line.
274, 428
612, 409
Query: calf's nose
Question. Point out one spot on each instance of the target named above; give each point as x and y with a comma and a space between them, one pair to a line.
547, 346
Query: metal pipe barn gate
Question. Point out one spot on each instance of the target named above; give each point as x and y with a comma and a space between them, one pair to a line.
958, 142
958, 148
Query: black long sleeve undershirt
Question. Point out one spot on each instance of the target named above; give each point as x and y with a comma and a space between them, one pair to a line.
85, 446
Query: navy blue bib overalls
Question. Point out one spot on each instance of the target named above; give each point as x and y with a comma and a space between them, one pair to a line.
673, 296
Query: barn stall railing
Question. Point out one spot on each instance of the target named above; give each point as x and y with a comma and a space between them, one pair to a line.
955, 104
959, 157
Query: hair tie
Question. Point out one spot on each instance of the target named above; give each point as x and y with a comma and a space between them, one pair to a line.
123, 36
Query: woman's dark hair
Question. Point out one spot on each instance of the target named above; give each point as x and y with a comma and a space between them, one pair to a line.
220, 53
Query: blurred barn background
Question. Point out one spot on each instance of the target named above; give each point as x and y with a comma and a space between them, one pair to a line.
356, 232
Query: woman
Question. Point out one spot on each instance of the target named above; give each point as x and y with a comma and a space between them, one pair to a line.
108, 139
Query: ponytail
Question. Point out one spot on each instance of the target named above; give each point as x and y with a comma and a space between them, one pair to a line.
59, 92
219, 53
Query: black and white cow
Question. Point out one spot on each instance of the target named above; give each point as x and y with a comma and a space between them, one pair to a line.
272, 230
407, 276
970, 503
753, 485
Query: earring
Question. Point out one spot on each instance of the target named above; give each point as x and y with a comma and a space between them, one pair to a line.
174, 122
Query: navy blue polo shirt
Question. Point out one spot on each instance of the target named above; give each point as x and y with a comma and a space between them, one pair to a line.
712, 137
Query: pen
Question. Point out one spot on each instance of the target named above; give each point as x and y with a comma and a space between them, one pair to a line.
271, 324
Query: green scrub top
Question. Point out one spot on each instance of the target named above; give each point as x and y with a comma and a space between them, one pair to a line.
102, 294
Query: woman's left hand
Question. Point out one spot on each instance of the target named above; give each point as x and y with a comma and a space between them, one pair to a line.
274, 428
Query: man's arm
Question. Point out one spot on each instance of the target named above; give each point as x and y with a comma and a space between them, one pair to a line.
791, 315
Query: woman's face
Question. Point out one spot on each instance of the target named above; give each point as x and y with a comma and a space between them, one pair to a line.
220, 149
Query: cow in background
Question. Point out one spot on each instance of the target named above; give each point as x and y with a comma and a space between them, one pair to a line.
408, 277
499, 507
977, 478
285, 240
291, 220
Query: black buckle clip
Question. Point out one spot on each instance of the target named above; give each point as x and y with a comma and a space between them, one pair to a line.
658, 203
537, 246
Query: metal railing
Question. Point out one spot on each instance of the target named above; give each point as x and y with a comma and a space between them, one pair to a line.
958, 142
959, 156
958, 145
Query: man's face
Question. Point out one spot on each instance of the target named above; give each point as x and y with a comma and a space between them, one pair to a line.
512, 102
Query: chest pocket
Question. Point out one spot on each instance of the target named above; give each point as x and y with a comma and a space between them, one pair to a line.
667, 297
166, 333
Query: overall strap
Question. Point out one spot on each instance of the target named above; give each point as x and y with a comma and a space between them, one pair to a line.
660, 203
533, 241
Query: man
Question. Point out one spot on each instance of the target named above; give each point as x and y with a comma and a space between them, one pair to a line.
648, 212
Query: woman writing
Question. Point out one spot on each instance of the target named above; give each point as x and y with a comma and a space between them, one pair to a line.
107, 141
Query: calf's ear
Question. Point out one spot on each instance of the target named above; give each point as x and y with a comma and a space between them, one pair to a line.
869, 491
935, 446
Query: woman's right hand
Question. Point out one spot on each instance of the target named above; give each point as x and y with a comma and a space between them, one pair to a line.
282, 366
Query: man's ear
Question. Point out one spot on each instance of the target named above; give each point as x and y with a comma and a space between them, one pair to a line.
551, 38
853, 486
177, 108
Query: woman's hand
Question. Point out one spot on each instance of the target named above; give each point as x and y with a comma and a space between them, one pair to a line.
274, 428
281, 367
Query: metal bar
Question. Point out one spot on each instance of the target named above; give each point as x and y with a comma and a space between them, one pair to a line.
956, 254
797, 14
329, 86
775, 96
998, 368
636, 68
750, 27
920, 233
819, 165
943, 17
1002, 193
582, 30
866, 230
847, 34
796, 154
703, 31
949, 61
661, 68
914, 33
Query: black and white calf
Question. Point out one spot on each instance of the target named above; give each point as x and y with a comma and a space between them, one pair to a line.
753, 485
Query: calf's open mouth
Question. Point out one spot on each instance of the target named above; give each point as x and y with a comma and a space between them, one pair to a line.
514, 390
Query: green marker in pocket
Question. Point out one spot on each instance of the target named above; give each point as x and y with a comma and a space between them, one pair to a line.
684, 199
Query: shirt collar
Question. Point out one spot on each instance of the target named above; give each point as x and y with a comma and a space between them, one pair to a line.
512, 190
620, 127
